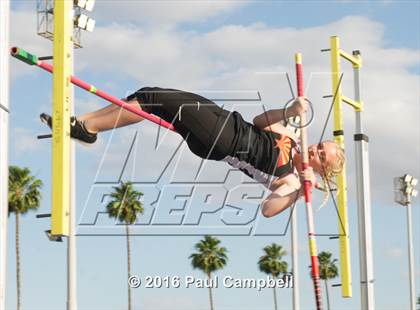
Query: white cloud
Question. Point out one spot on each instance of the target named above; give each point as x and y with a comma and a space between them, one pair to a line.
163, 13
154, 57
23, 141
394, 253
87, 105
23, 34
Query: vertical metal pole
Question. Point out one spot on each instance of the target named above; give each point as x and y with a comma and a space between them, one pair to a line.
295, 262
343, 226
411, 259
363, 202
71, 251
71, 240
62, 87
4, 143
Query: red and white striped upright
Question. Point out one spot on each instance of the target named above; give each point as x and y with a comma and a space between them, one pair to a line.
307, 189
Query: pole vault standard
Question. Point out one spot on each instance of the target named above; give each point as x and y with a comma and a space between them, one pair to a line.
307, 189
31, 59
363, 180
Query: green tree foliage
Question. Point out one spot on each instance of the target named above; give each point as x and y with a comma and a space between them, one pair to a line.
327, 270
209, 258
125, 206
272, 263
24, 195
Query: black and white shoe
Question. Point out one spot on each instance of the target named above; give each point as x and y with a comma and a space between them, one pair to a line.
77, 129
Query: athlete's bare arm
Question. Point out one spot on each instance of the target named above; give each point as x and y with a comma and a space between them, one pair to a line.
271, 117
285, 192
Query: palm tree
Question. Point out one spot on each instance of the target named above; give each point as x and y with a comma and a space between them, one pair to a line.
327, 270
209, 258
24, 195
125, 206
271, 263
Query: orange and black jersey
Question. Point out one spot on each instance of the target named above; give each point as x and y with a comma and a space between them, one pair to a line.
262, 155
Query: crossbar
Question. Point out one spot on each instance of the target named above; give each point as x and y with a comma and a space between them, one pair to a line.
31, 59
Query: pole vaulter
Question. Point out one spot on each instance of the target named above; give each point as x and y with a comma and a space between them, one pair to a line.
33, 60
307, 189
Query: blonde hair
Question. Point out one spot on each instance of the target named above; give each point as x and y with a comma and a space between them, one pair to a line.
331, 171
334, 169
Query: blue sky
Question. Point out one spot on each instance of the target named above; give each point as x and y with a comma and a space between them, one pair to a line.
222, 49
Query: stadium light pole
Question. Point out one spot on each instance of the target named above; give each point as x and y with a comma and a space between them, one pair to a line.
4, 142
404, 188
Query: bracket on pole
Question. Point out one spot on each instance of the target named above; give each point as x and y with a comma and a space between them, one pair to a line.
47, 136
51, 237
45, 57
42, 215
4, 108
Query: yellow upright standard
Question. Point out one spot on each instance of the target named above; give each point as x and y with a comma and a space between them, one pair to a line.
343, 227
62, 87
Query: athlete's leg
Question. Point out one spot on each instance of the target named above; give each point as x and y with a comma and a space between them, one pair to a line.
85, 127
94, 114
210, 128
110, 117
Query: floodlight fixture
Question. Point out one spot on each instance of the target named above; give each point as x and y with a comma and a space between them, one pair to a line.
84, 22
408, 178
90, 25
80, 3
85, 4
81, 21
89, 5
404, 189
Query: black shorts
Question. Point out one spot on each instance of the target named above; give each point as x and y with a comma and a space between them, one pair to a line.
209, 130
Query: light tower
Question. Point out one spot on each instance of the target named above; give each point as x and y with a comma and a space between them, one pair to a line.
404, 189
45, 19
4, 143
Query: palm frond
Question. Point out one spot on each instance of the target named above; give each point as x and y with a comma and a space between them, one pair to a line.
327, 266
272, 261
24, 190
125, 204
209, 257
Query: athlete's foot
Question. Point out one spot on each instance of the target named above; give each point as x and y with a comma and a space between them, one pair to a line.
77, 129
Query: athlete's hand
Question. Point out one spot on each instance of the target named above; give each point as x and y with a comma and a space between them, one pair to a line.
308, 174
300, 105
